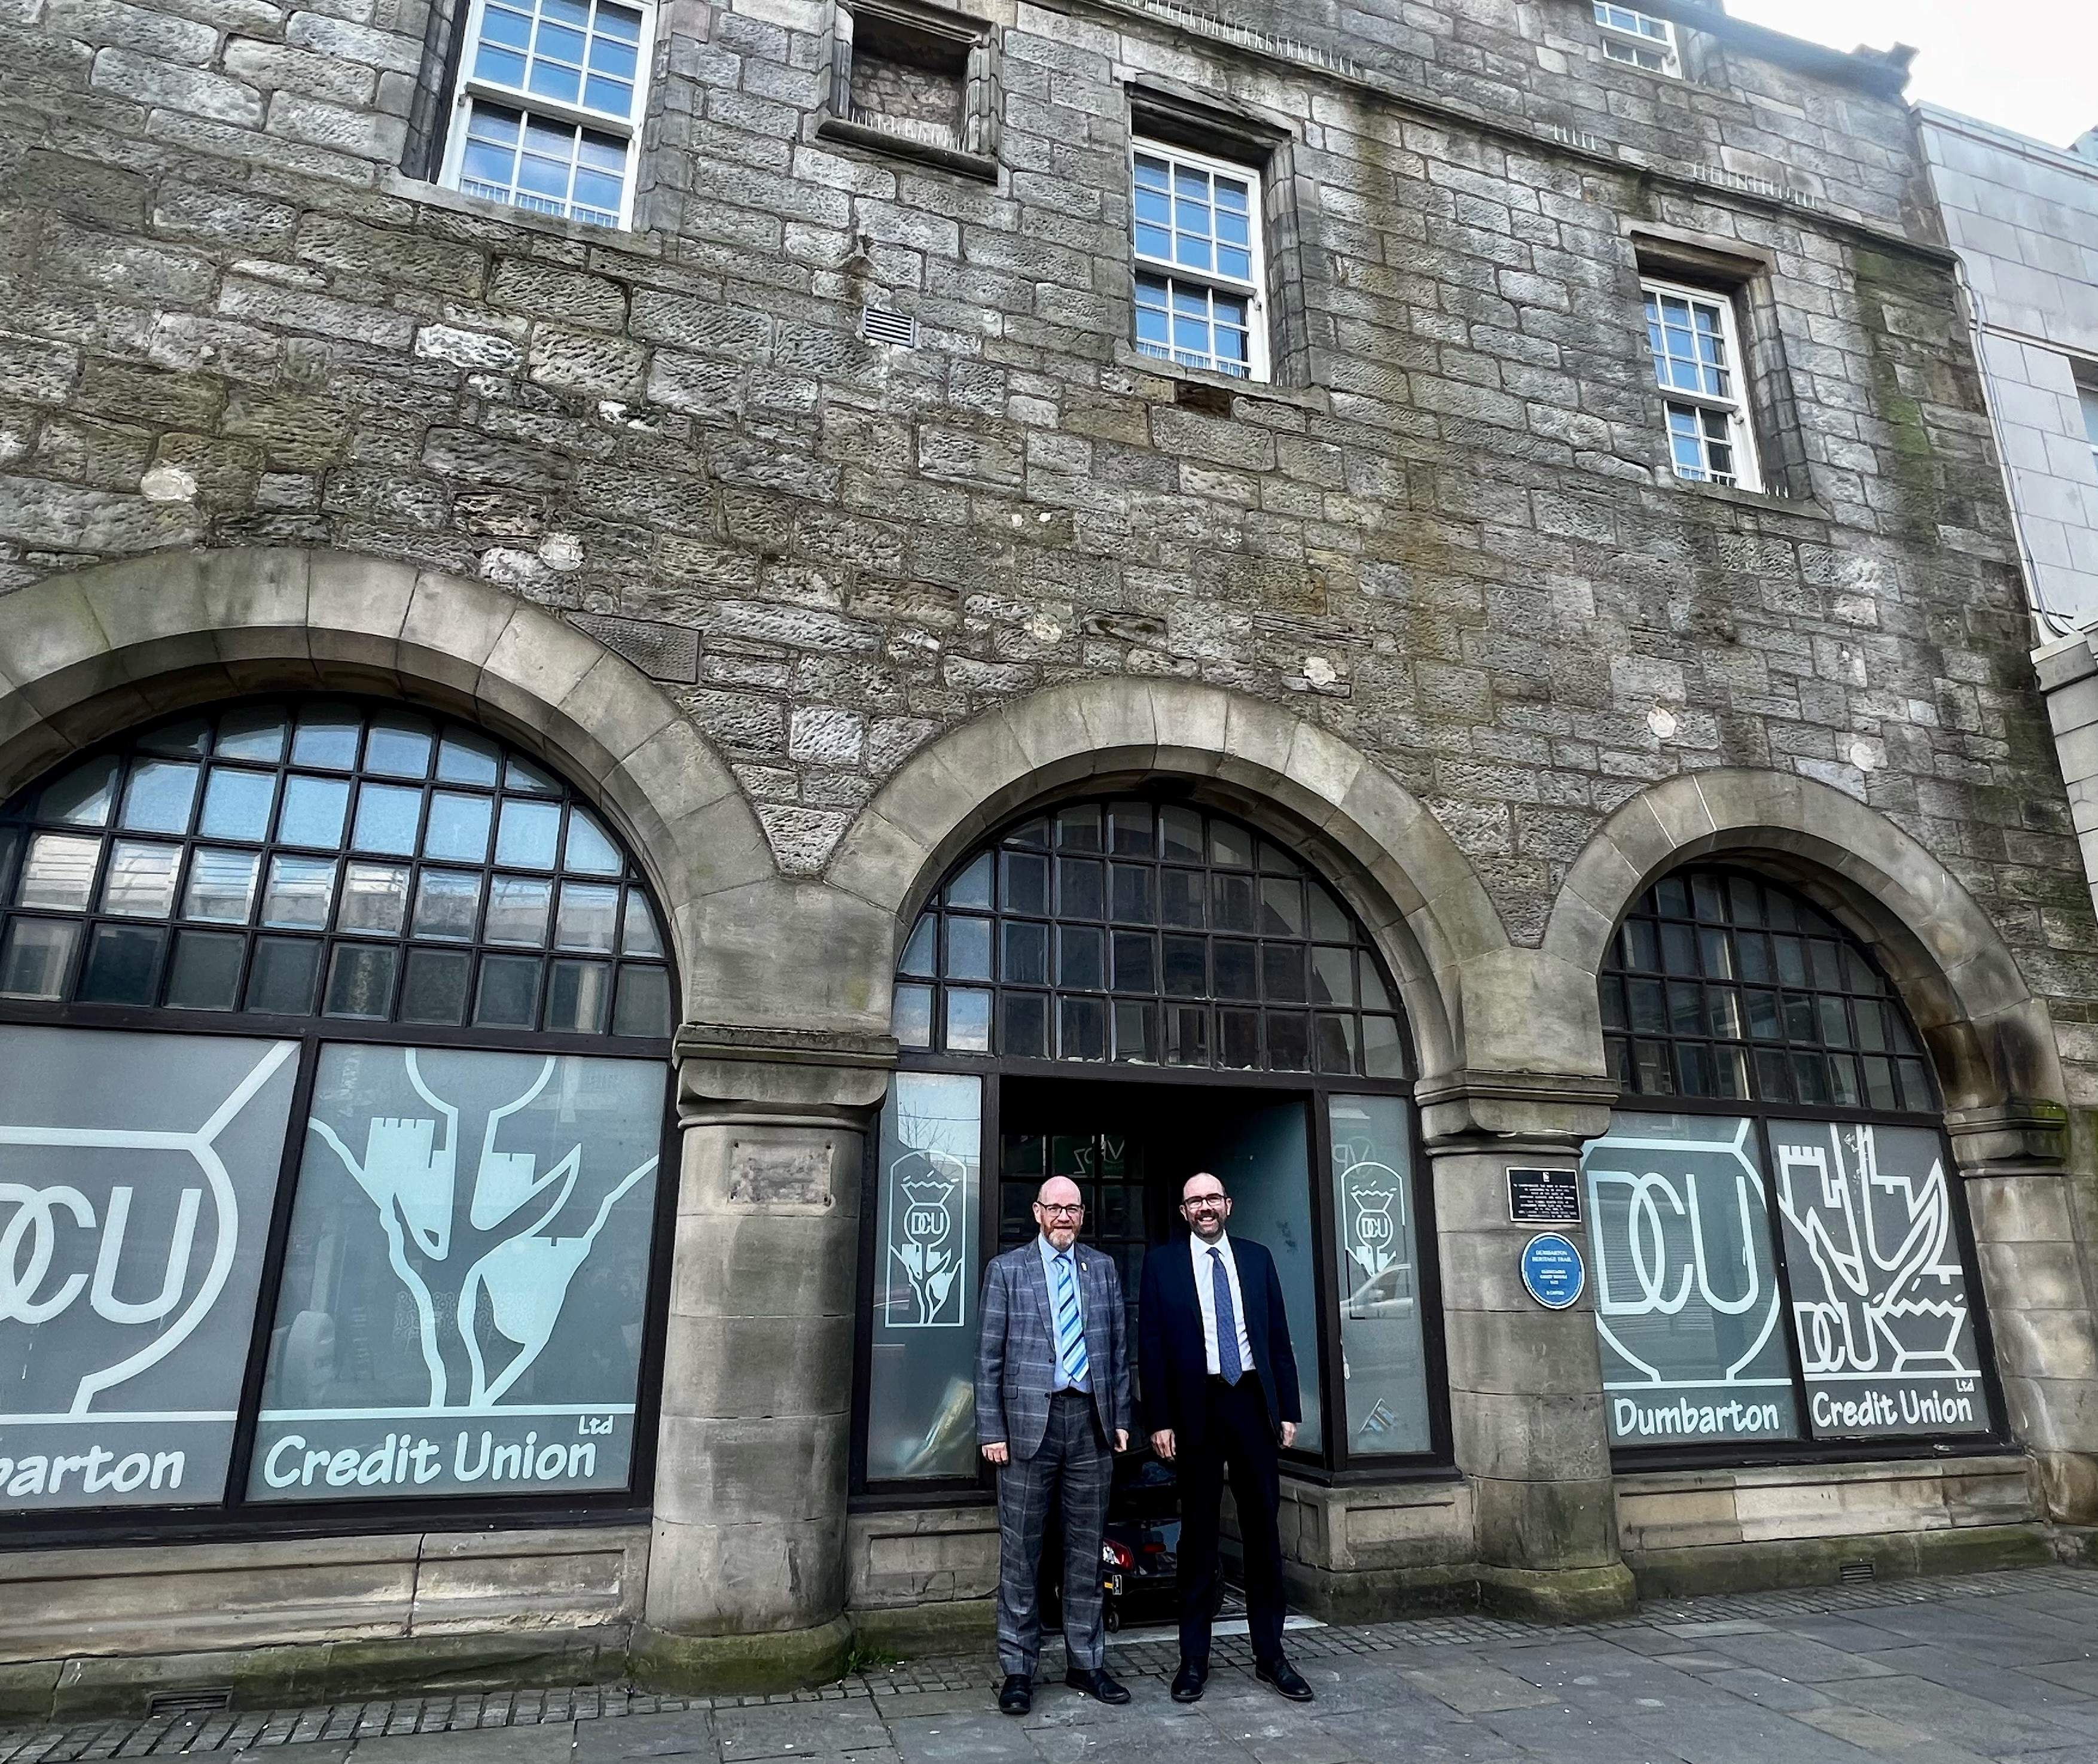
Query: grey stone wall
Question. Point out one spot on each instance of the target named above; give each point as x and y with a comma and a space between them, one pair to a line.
232, 322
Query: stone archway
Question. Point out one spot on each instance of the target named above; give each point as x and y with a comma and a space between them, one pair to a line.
90, 653
1991, 1039
1401, 870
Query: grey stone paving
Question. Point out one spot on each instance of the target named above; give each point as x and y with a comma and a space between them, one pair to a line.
1984, 1667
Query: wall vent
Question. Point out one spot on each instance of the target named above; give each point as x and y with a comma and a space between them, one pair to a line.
180, 1703
1854, 1573
877, 324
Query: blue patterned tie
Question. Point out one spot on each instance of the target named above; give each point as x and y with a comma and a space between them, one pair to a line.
1070, 1326
1230, 1367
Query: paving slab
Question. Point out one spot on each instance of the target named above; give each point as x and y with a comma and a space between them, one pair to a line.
1988, 1668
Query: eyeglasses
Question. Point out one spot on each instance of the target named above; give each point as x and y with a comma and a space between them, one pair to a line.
1060, 1209
1194, 1202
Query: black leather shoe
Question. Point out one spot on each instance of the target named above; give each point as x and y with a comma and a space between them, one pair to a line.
1188, 1681
1015, 1696
1285, 1678
1095, 1683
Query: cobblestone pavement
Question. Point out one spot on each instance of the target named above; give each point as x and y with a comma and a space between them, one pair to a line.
1952, 1671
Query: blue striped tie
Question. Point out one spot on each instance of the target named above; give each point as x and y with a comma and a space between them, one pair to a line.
1230, 1367
1070, 1326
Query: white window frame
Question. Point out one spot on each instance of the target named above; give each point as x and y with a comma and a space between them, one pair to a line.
627, 129
1253, 292
1735, 408
1643, 35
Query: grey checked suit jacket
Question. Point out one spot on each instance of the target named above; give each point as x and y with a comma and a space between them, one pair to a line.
1016, 1350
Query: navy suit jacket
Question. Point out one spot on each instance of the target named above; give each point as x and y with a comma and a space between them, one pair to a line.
1170, 1361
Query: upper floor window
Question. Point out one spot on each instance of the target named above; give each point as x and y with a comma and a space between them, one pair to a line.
2086, 396
1693, 334
1200, 262
1638, 38
551, 97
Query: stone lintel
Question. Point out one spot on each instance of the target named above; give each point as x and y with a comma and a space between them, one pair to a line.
2019, 1136
1543, 1113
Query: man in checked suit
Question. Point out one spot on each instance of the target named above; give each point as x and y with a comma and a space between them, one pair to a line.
1219, 1395
1052, 1392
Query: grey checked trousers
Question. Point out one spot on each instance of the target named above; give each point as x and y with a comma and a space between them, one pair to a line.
1075, 1466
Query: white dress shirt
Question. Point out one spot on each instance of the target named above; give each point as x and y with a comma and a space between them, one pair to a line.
1205, 1292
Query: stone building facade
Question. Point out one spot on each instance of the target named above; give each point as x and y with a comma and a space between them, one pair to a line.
821, 532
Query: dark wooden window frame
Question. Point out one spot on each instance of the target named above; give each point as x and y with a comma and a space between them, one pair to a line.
233, 1517
1760, 1114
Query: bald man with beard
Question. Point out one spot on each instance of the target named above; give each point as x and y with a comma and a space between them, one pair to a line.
1052, 1409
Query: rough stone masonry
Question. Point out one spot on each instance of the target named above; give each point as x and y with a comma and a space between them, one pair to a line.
1448, 534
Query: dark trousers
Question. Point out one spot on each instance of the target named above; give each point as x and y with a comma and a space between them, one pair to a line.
1237, 1441
1073, 1470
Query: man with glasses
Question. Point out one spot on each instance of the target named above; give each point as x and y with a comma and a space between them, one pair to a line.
1219, 1394
1052, 1392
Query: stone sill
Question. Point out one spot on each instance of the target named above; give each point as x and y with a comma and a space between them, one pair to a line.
393, 182
1312, 398
1760, 502
857, 134
1981, 1463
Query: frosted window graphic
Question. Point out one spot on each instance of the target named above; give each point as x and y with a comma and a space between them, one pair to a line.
1381, 1355
137, 1174
467, 1279
1687, 1304
921, 1412
1886, 1337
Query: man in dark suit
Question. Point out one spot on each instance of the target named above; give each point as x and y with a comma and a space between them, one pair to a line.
1052, 1392
1219, 1395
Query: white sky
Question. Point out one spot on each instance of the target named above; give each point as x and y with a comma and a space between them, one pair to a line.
2031, 65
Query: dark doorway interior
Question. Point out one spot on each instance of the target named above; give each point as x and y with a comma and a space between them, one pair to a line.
1129, 1147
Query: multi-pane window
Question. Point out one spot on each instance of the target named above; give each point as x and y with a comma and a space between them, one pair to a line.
1776, 1223
1721, 985
1637, 38
550, 103
1199, 267
361, 863
338, 1032
1692, 335
1127, 930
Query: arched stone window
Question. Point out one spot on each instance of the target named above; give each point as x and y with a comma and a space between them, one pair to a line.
1146, 933
1783, 1261
1124, 990
333, 1042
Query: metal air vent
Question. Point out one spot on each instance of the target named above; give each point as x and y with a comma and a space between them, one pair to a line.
877, 324
181, 1703
1854, 1573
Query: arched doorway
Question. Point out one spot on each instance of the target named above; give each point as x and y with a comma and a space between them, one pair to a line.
1783, 1265
1123, 989
333, 1073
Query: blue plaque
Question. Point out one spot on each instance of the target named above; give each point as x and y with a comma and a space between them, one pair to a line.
1552, 1271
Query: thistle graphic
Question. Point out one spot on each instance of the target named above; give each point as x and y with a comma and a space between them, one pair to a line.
1372, 1233
921, 1238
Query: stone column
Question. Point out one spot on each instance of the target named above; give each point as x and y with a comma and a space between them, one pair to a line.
746, 1568
1526, 1383
2032, 1218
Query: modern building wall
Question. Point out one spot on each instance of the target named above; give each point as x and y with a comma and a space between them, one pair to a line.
809, 615
2023, 218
